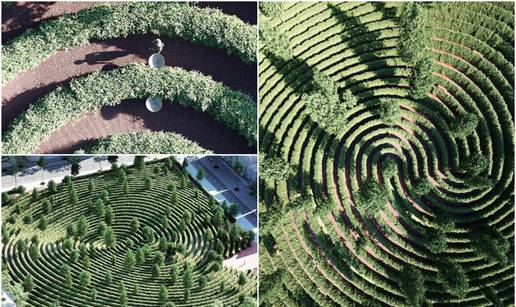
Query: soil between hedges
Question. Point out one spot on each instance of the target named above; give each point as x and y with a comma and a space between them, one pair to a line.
109, 54
132, 116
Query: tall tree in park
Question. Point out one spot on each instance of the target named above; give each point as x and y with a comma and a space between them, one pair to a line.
110, 238
475, 164
187, 276
139, 163
421, 77
200, 174
242, 279
17, 163
84, 278
122, 294
76, 167
173, 274
42, 164
52, 186
28, 283
463, 124
454, 279
274, 169
390, 112
163, 294
130, 260
82, 226
372, 196
72, 195
147, 182
412, 39
412, 285
135, 224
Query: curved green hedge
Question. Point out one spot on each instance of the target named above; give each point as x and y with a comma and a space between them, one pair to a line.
144, 142
206, 26
232, 108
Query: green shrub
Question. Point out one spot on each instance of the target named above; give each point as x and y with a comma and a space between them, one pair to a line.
412, 39
274, 41
271, 9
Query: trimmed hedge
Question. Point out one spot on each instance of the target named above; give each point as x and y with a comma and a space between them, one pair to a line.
206, 26
144, 142
232, 108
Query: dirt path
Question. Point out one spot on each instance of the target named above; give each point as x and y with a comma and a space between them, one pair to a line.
105, 55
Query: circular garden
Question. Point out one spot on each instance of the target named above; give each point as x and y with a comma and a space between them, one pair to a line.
78, 75
387, 154
130, 236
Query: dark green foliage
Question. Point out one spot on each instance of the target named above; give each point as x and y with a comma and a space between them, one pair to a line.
421, 77
436, 240
82, 226
27, 219
242, 279
412, 39
491, 244
412, 285
200, 174
75, 168
390, 112
101, 230
173, 274
34, 252
187, 277
454, 279
108, 278
139, 163
109, 238
35, 195
52, 187
135, 224
122, 294
84, 278
422, 186
28, 283
46, 206
463, 124
373, 196
129, 261
475, 164
202, 282
275, 169
109, 216
147, 182
389, 168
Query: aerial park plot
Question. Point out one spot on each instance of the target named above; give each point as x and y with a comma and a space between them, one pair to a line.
387, 154
145, 234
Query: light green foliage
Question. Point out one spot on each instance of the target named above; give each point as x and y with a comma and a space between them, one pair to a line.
158, 142
107, 88
274, 41
272, 9
390, 112
275, 169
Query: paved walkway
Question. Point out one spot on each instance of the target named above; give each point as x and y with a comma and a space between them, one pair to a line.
245, 260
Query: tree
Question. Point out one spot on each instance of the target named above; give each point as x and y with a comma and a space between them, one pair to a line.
491, 244
276, 42
475, 164
422, 186
372, 197
100, 209
242, 279
46, 206
163, 294
136, 289
147, 183
271, 9
463, 124
454, 279
173, 196
182, 181
412, 38
122, 298
74, 256
389, 168
159, 258
93, 294
200, 174
35, 195
390, 112
16, 164
108, 277
233, 209
140, 256
148, 234
109, 216
52, 186
139, 163
173, 274
218, 217
28, 283
112, 159
43, 223
76, 167
71, 230
222, 287
157, 169
436, 240
187, 277
110, 238
412, 285
42, 164
135, 224
421, 77
27, 219
104, 196
155, 270
72, 196
34, 252
101, 230
86, 262
84, 278
130, 260
82, 226
275, 169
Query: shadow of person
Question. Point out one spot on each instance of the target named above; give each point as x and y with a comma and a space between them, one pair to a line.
101, 57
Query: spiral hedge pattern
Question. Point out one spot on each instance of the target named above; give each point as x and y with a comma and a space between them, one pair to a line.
348, 258
149, 207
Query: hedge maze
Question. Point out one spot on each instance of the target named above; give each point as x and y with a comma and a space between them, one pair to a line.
68, 103
145, 234
387, 154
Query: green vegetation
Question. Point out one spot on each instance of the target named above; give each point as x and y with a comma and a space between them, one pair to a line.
173, 19
409, 202
111, 248
232, 108
145, 141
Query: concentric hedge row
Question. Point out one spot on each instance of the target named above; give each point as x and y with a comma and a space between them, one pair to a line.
145, 141
232, 108
206, 26
61, 253
411, 203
